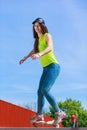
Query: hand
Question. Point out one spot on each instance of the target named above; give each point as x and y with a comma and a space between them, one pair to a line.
35, 56
22, 60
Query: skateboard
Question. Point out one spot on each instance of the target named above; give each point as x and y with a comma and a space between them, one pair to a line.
37, 124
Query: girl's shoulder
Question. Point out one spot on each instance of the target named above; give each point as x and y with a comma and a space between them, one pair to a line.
47, 35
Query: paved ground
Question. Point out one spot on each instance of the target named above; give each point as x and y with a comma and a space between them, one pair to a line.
42, 128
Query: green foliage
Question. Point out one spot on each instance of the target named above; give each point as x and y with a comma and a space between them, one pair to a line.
71, 107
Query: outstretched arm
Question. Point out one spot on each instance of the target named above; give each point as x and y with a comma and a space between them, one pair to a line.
27, 56
34, 55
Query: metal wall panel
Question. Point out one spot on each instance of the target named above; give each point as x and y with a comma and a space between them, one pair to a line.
15, 116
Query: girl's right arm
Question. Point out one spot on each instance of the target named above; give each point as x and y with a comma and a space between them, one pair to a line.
27, 56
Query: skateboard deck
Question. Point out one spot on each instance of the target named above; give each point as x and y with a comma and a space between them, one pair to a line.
45, 124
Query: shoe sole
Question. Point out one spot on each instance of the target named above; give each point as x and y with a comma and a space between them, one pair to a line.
37, 121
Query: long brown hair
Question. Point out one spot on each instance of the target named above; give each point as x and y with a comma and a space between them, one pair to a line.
44, 30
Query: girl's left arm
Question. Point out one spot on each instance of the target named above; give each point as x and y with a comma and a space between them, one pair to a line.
48, 48
49, 45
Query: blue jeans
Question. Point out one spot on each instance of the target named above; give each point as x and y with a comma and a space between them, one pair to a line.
73, 124
47, 80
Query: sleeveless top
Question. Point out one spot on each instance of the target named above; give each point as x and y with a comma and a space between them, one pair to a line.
49, 57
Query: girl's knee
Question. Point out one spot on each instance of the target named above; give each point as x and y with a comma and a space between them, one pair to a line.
44, 92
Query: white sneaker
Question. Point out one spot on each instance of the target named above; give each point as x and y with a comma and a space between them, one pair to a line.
60, 115
37, 119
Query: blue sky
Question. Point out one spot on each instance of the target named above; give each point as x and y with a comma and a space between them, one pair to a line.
67, 23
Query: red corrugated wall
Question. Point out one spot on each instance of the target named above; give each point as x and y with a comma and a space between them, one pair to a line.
15, 116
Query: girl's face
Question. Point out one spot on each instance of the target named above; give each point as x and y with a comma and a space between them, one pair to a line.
37, 28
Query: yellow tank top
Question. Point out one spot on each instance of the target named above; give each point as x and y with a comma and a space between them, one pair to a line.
47, 58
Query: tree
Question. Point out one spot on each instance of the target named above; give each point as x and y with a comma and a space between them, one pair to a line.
71, 107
